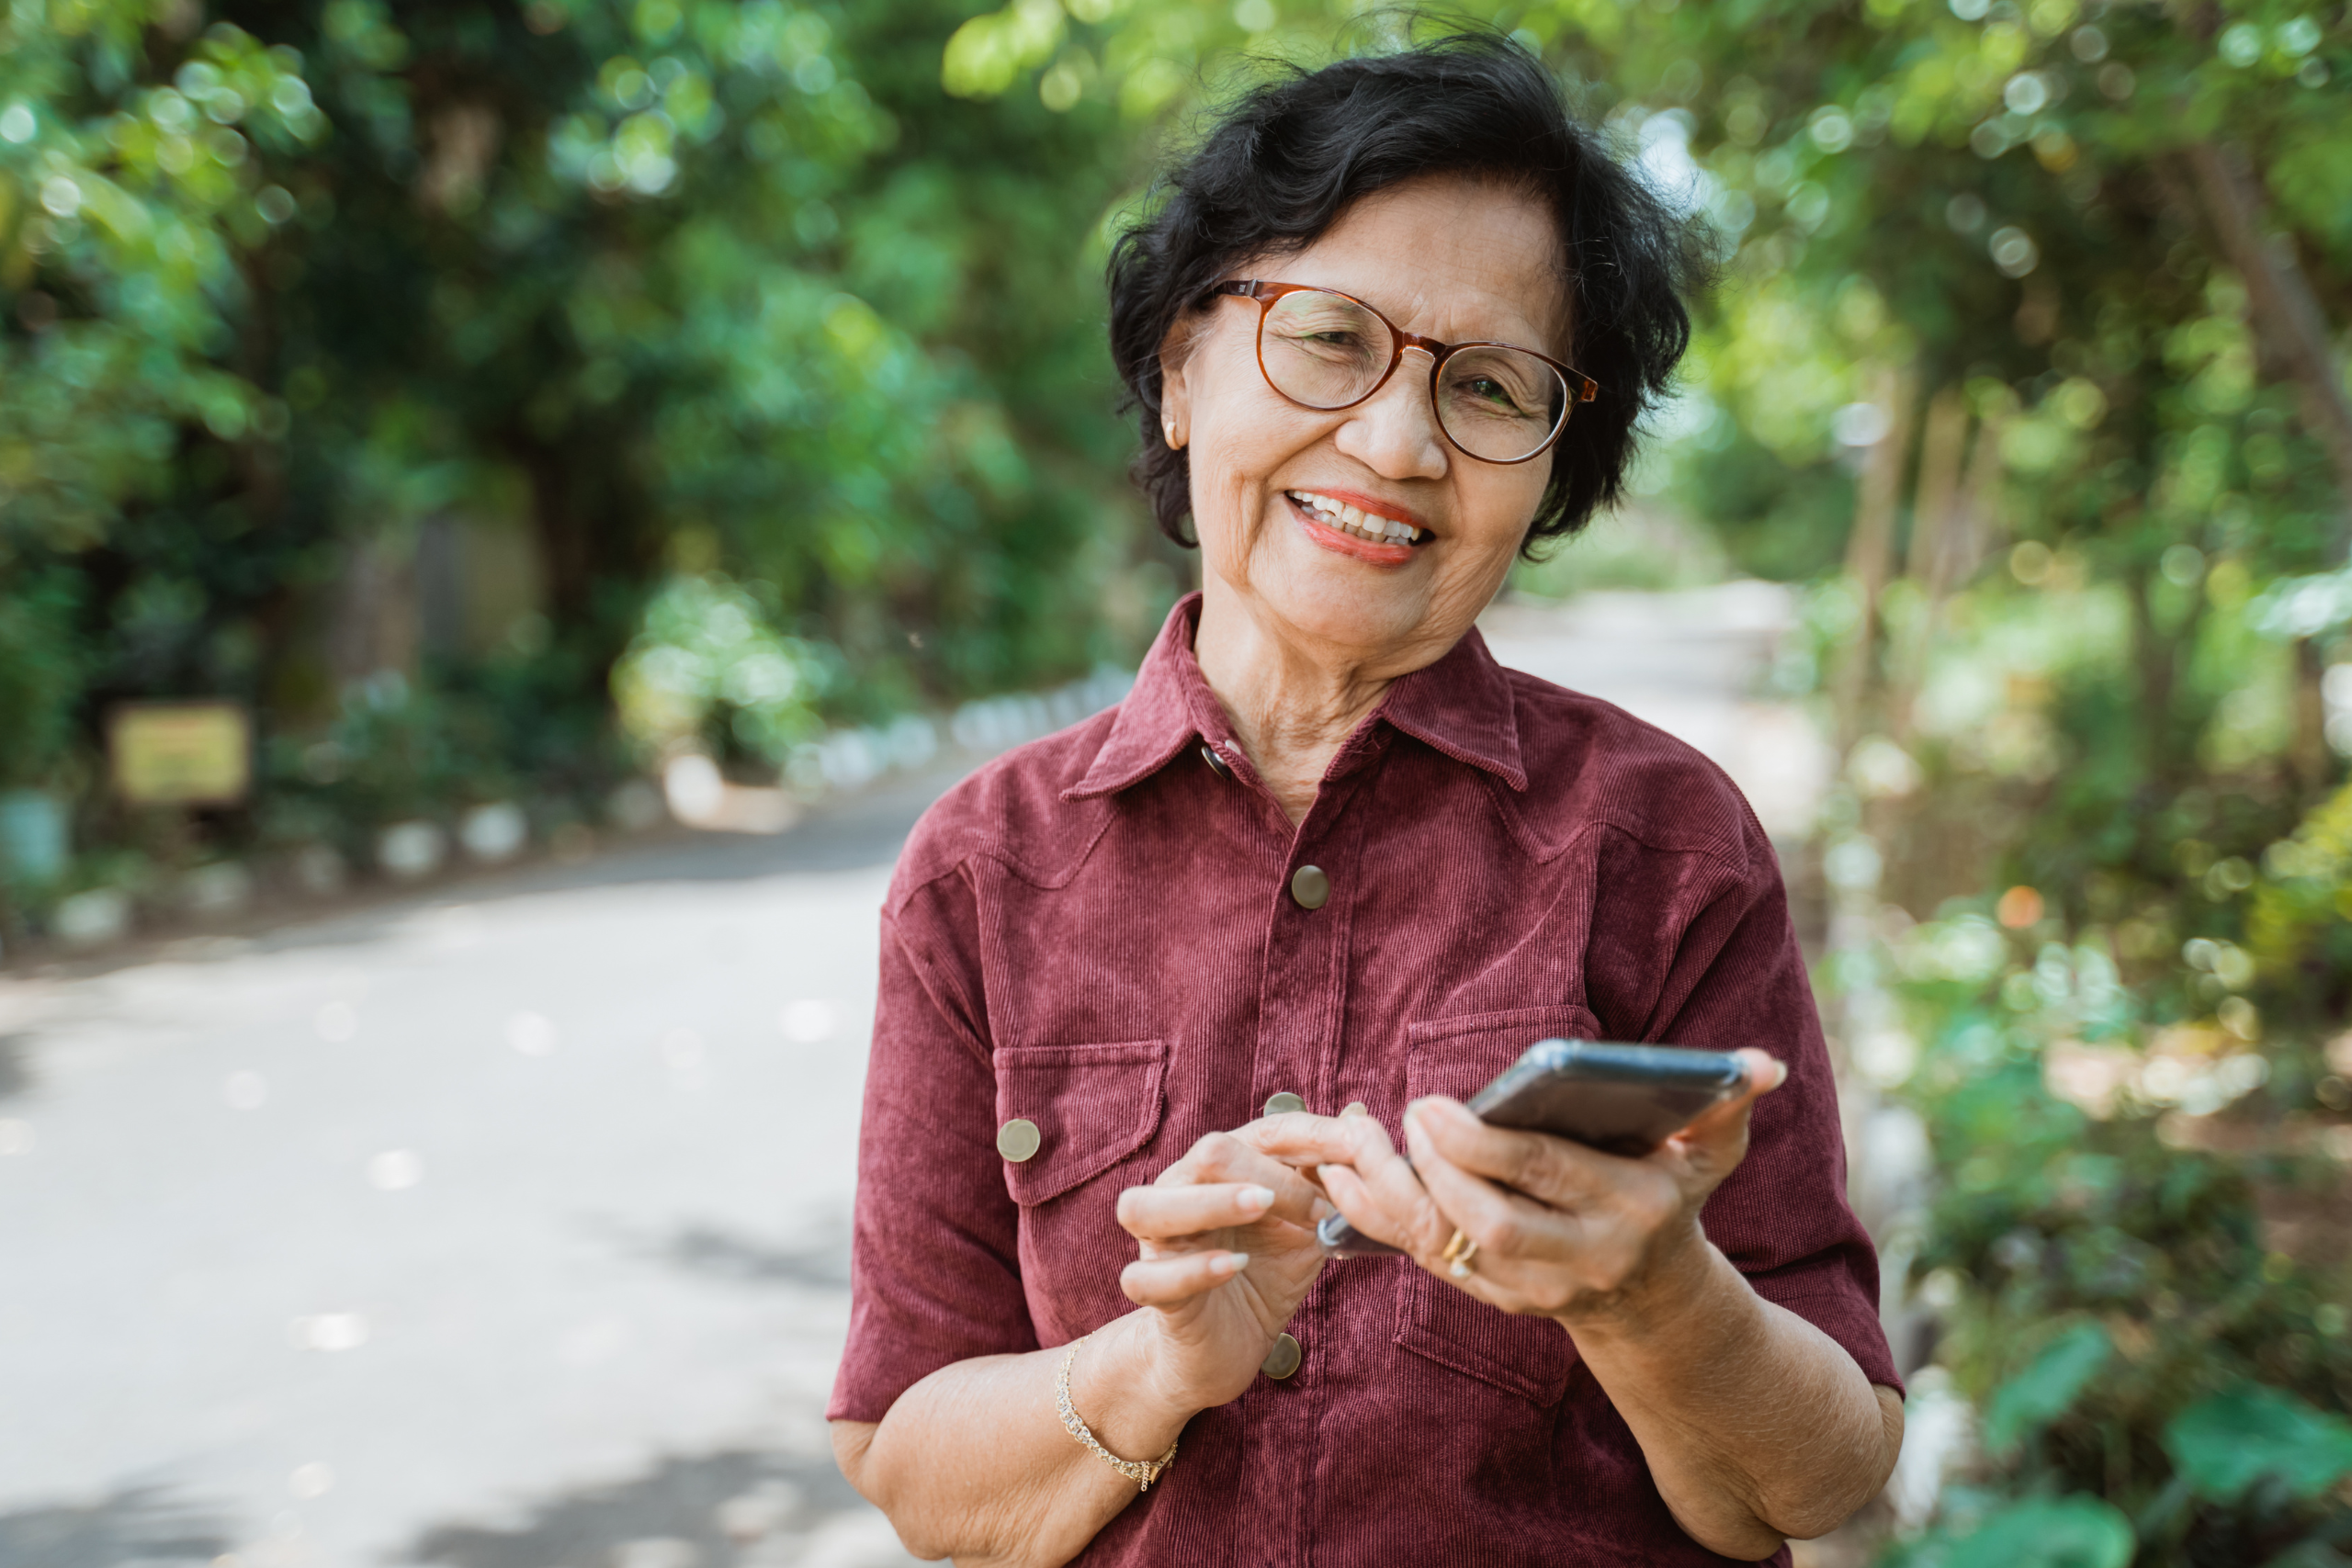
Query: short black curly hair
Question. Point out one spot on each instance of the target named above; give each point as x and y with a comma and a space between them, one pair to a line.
1282, 163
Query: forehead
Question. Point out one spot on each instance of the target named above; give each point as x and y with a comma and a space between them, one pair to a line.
1448, 256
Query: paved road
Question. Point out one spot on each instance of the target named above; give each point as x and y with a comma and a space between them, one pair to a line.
499, 1229
505, 1227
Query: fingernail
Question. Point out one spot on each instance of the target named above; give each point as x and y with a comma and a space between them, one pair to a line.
1232, 1262
1780, 1074
1356, 1108
1257, 1197
1324, 1209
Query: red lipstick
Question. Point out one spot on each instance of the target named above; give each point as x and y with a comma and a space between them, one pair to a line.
1345, 543
1373, 505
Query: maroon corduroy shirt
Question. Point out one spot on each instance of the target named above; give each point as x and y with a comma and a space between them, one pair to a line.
1096, 933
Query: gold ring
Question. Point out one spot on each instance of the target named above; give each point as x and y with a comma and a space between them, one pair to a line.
1460, 1254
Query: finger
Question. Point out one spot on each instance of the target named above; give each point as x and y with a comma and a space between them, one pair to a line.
1221, 1157
1722, 1130
1157, 1213
1349, 1147
1368, 1213
1316, 1143
1502, 1223
1168, 1281
1300, 1139
1382, 1196
1553, 1170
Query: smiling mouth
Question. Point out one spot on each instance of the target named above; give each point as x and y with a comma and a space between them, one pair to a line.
1366, 526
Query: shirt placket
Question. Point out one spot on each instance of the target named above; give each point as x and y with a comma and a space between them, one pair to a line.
1302, 1004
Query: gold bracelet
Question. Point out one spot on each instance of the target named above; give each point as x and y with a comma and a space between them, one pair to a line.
1142, 1471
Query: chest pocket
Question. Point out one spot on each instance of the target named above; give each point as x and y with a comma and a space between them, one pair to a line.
1531, 1357
1093, 1105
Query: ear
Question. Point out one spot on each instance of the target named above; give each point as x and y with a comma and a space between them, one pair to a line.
1175, 388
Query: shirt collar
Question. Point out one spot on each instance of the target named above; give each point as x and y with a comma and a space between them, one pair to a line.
1461, 706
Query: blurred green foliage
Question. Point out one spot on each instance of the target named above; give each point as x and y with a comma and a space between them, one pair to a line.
40, 678
2106, 1250
659, 288
706, 673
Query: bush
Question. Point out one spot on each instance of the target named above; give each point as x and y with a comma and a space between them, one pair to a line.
41, 678
2158, 1349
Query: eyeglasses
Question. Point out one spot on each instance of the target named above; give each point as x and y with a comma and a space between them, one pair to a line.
1327, 351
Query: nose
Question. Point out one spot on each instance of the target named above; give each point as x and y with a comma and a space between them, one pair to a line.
1395, 431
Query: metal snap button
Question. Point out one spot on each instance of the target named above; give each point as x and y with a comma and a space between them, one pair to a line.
1283, 1358
1310, 887
1018, 1139
1282, 1104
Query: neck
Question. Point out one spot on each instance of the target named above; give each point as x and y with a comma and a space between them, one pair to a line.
1293, 704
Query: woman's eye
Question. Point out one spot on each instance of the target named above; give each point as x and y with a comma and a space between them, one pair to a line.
1487, 389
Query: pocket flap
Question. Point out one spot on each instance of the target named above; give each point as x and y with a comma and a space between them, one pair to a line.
1458, 1056
1531, 1357
1093, 1105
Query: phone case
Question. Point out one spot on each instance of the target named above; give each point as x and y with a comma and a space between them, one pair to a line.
1622, 1099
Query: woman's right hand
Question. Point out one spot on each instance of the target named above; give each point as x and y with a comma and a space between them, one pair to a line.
1229, 1251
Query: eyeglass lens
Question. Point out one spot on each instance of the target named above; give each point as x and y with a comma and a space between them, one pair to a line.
1327, 352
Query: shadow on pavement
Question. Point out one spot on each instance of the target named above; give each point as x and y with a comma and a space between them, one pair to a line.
715, 1253
15, 1075
143, 1525
846, 834
735, 1508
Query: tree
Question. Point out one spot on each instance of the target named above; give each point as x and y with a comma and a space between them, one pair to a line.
673, 288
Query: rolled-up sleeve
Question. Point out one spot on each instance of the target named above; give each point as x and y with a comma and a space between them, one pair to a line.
933, 1274
1737, 979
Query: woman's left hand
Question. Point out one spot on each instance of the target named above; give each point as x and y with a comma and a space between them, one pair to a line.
1561, 1231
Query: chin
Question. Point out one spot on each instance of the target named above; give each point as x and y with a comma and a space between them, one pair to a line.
1344, 610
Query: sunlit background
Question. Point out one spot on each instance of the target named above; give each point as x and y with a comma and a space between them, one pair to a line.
508, 512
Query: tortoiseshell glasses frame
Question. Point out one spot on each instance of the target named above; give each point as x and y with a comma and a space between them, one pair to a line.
1575, 387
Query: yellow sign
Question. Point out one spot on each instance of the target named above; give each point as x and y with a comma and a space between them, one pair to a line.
181, 753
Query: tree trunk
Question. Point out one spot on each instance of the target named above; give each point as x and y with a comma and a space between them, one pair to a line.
2308, 749
564, 532
2156, 661
2293, 330
1935, 517
1869, 549
2286, 313
1933, 560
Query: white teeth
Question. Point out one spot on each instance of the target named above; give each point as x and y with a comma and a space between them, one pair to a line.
1348, 519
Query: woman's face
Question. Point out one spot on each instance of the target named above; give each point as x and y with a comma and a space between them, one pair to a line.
1446, 258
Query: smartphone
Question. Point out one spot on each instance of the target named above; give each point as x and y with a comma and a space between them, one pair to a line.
1622, 1099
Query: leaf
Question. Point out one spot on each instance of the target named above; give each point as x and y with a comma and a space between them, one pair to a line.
2250, 1433
2066, 1532
2047, 1388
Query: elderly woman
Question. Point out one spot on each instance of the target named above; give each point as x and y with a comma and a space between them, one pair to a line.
1159, 991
